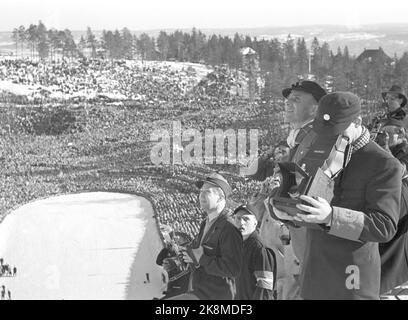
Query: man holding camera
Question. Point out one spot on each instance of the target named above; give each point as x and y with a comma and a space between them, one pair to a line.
301, 103
341, 259
216, 253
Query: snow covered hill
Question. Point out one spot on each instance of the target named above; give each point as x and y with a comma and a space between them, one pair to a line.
83, 246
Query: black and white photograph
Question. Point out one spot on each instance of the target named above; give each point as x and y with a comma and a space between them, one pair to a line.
203, 150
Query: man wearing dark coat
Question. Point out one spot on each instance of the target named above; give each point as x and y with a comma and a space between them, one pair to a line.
301, 101
216, 253
341, 259
394, 254
258, 273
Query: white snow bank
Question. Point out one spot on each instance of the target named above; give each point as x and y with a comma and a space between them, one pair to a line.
83, 246
17, 89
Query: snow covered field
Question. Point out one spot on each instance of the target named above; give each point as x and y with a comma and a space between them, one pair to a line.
83, 246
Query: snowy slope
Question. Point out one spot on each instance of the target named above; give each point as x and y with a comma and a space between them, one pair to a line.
83, 246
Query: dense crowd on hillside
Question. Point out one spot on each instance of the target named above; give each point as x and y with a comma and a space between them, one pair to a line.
160, 91
116, 80
92, 79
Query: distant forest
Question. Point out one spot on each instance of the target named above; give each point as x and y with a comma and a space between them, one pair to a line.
280, 62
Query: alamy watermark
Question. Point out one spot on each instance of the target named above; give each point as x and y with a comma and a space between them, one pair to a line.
213, 146
353, 280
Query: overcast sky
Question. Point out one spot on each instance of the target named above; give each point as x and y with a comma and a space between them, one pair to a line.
157, 14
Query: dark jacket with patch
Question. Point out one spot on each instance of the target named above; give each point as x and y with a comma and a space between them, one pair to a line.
257, 263
343, 261
221, 262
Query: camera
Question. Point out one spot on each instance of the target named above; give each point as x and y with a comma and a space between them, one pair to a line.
174, 242
297, 182
315, 178
178, 257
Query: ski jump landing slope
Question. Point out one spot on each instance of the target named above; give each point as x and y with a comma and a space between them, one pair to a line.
94, 245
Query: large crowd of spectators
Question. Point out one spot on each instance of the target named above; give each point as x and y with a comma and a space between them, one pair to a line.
91, 79
203, 98
152, 83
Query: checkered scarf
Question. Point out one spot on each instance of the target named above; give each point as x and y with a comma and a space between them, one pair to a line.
363, 140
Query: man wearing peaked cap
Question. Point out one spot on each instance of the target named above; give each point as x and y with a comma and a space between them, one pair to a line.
215, 255
342, 260
336, 112
301, 101
217, 180
300, 108
306, 86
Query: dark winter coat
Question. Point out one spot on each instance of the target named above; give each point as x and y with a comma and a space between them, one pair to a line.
394, 254
343, 261
256, 281
221, 262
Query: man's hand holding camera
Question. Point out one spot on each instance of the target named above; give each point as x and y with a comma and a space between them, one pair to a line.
319, 211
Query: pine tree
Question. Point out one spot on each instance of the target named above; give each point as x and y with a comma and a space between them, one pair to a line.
15, 38
302, 57
316, 56
22, 36
289, 58
163, 45
32, 38
43, 43
117, 45
325, 60
68, 43
91, 41
127, 46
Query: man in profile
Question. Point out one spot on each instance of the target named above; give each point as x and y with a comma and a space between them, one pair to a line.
301, 103
216, 253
